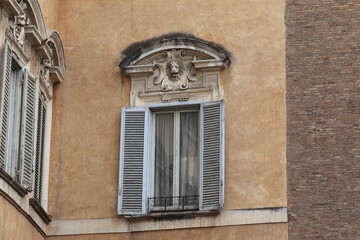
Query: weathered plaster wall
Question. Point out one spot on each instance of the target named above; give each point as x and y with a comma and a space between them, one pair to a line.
249, 232
85, 136
14, 225
50, 10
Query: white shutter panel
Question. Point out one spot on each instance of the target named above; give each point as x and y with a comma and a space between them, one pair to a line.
27, 131
212, 156
132, 156
39, 153
5, 97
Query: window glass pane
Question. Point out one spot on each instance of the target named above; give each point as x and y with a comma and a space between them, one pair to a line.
15, 100
189, 154
164, 160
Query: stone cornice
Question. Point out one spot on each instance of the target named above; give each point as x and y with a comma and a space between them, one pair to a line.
12, 6
33, 35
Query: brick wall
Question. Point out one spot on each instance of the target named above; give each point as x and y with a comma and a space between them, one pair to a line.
323, 119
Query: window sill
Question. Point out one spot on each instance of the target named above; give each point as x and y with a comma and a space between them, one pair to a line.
171, 215
14, 184
40, 210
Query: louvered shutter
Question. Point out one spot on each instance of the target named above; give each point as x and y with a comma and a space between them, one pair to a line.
39, 153
132, 159
5, 98
212, 156
27, 131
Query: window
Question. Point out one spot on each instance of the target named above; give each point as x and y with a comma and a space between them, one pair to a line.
175, 165
14, 107
17, 115
171, 158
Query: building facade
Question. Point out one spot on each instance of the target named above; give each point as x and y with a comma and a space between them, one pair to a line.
174, 120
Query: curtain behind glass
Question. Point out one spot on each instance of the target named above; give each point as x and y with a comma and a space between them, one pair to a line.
189, 155
164, 147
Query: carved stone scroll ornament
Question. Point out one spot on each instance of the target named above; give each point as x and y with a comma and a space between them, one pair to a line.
174, 70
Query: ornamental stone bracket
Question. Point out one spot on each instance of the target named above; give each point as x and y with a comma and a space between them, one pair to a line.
44, 77
174, 70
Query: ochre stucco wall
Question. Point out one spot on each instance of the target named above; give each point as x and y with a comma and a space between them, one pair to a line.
50, 10
86, 116
14, 225
248, 232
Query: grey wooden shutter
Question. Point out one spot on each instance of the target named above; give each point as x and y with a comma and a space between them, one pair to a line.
39, 153
4, 102
212, 156
27, 131
132, 156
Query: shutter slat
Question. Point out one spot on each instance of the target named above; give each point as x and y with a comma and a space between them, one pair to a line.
4, 108
27, 132
131, 181
212, 162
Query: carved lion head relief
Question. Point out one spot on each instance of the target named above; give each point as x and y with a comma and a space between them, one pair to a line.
174, 69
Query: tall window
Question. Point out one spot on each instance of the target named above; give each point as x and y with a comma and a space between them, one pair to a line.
17, 118
176, 160
14, 120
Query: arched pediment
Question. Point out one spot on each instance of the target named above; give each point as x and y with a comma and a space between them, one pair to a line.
35, 15
174, 67
52, 70
58, 58
29, 12
136, 53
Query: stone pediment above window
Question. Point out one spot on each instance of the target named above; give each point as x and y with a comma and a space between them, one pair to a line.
29, 40
174, 68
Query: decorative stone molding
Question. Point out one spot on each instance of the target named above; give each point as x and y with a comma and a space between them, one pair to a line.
175, 69
44, 51
22, 50
44, 77
53, 68
40, 210
59, 63
33, 35
18, 22
36, 17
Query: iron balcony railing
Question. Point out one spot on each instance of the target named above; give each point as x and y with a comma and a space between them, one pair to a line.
176, 203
